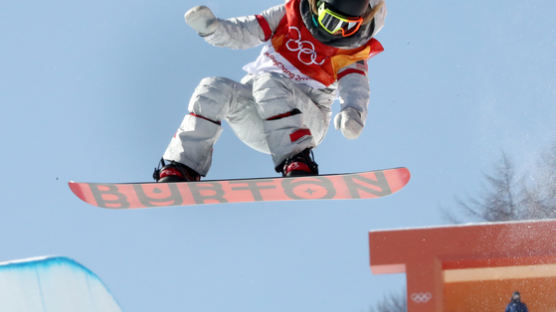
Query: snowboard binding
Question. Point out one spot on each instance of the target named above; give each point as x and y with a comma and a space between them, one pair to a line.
174, 172
299, 165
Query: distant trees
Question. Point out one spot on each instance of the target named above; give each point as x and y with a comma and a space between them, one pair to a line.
499, 199
539, 196
394, 302
505, 197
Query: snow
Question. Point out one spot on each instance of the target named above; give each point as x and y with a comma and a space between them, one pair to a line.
52, 284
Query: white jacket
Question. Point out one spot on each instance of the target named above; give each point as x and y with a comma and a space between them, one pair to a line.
246, 32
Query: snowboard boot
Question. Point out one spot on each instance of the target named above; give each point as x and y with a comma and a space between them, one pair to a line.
299, 165
174, 172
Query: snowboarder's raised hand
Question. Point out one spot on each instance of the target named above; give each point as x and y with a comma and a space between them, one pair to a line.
349, 121
202, 20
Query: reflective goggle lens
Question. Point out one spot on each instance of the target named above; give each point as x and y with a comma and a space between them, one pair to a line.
335, 23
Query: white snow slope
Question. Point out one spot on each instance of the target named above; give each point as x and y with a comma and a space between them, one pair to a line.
52, 284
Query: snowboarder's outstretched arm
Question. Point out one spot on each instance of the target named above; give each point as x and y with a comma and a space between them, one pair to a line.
354, 92
235, 33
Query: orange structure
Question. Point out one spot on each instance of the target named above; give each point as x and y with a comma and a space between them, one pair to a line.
471, 267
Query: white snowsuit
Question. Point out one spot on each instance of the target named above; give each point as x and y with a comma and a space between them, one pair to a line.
270, 110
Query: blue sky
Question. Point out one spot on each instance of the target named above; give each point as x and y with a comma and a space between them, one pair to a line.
94, 91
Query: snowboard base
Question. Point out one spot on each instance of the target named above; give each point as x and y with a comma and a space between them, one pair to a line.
363, 185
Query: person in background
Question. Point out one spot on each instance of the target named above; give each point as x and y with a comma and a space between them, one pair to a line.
515, 304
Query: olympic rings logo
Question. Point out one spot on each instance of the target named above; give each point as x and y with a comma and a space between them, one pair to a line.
306, 49
421, 297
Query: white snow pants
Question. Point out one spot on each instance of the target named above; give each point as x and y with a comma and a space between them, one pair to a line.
268, 112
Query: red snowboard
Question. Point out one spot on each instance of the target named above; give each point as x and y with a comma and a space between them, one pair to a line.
371, 184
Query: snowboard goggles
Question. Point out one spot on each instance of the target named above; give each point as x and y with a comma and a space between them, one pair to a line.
335, 24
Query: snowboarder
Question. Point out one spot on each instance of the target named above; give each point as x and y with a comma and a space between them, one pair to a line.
315, 51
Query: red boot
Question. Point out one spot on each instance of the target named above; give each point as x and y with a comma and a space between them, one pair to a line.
299, 165
174, 172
